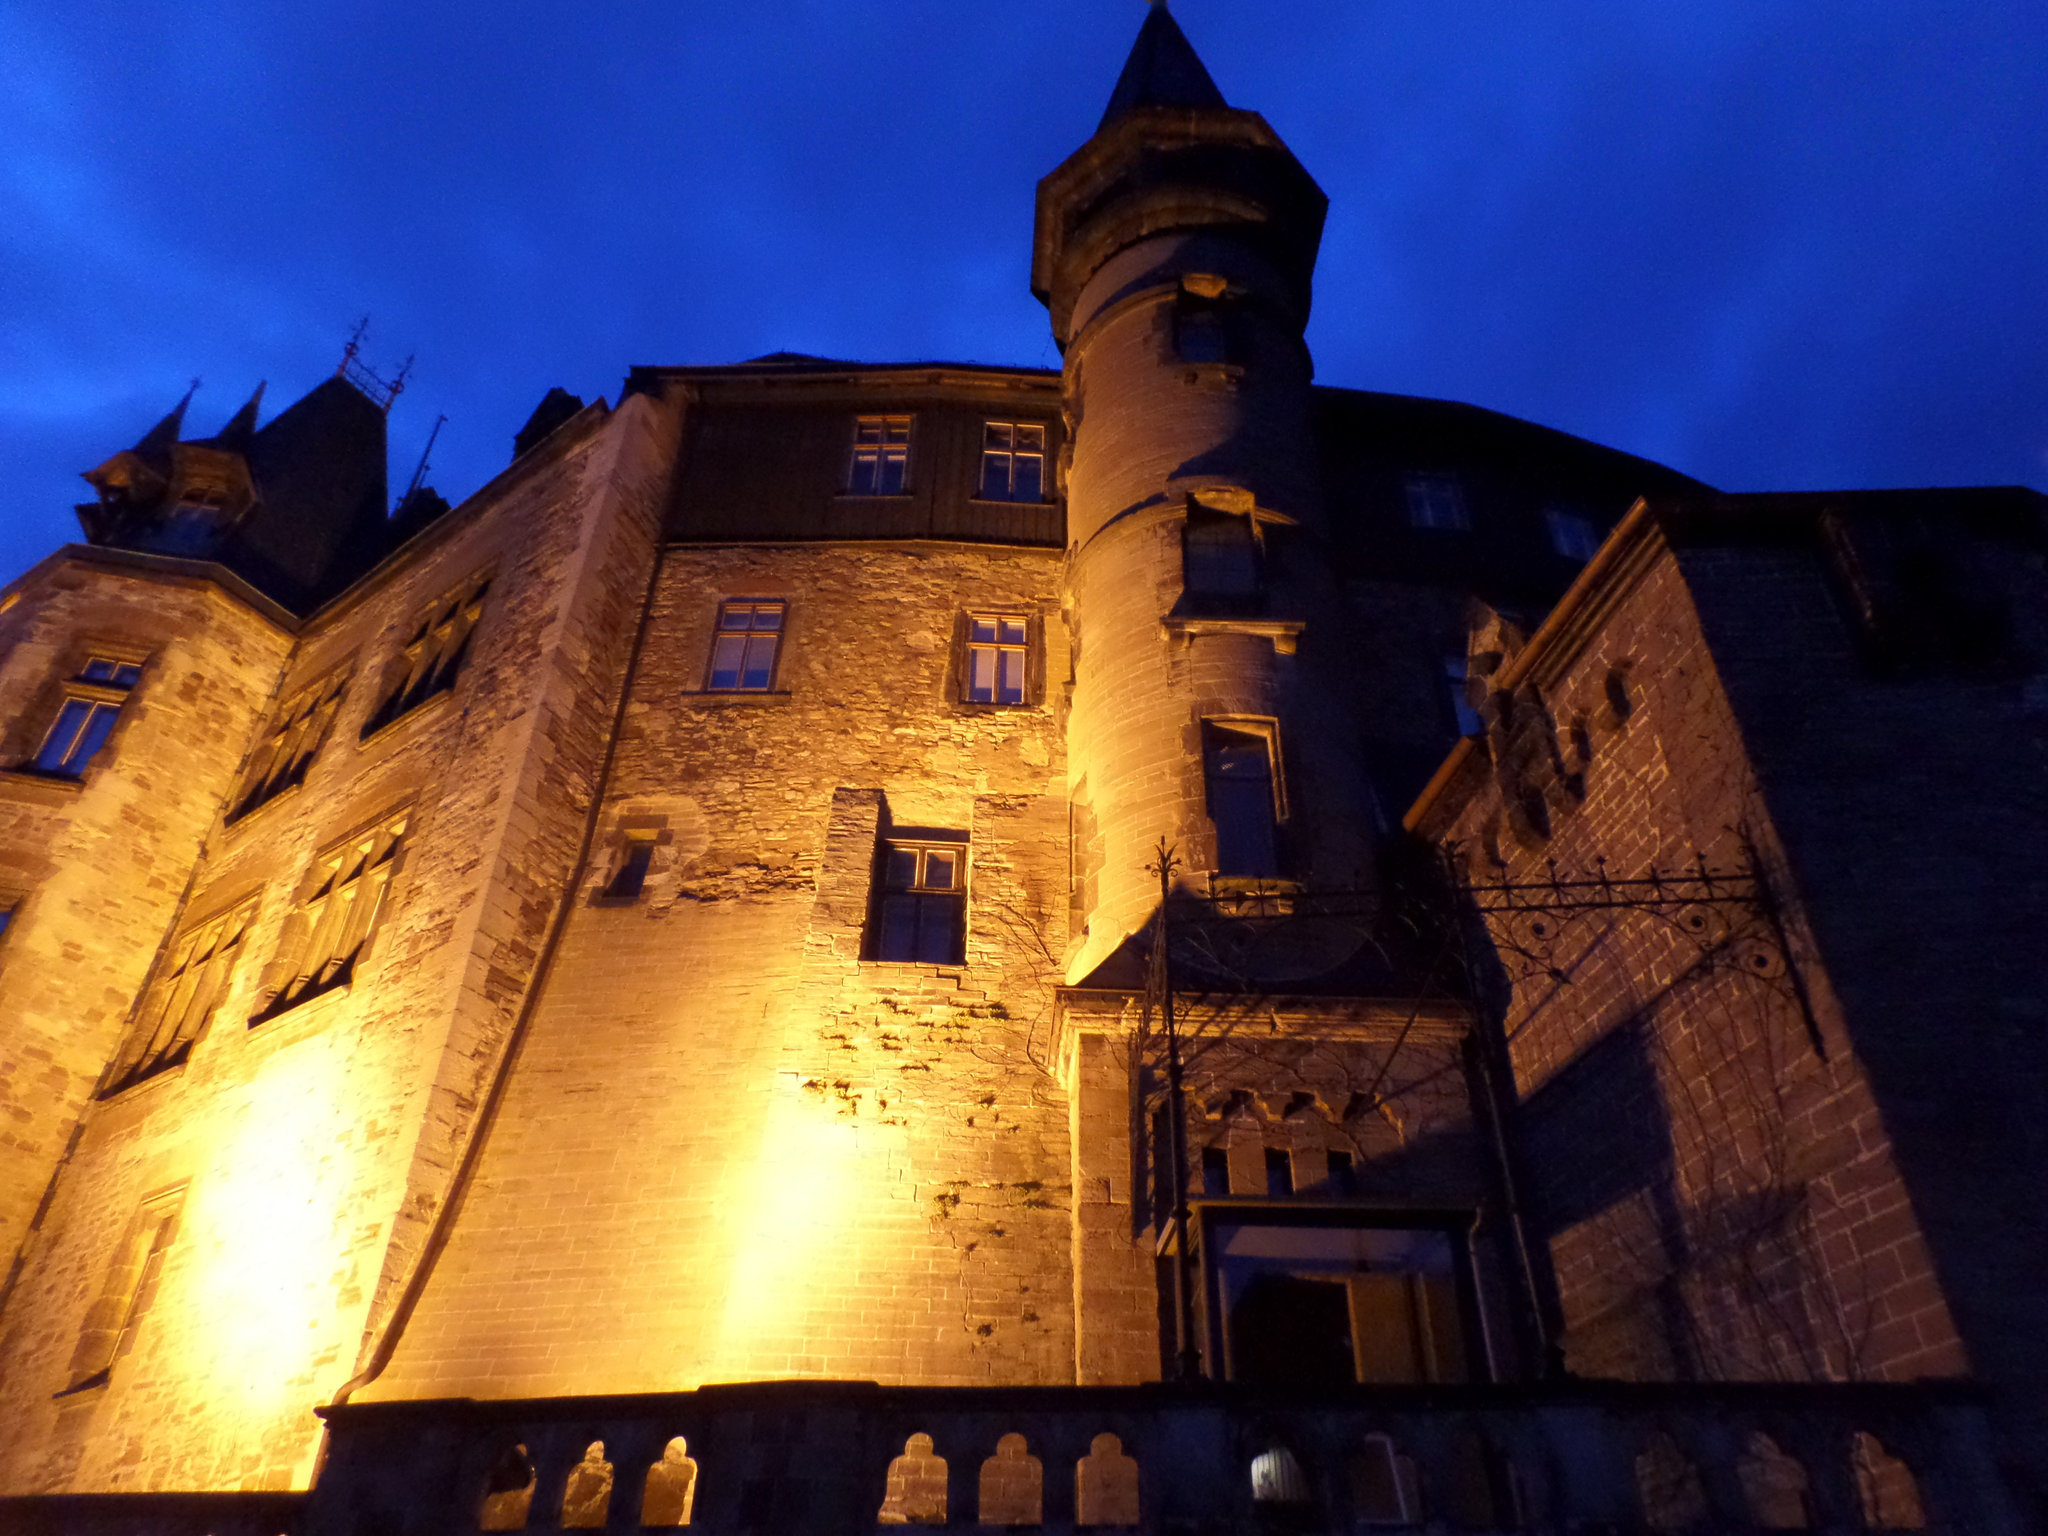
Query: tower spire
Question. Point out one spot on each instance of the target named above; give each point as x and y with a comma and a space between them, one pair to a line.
1162, 71
162, 437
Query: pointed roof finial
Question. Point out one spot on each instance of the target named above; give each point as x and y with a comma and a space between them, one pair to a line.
242, 425
164, 435
1162, 71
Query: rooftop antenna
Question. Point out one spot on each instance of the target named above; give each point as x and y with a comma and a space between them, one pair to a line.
382, 391
421, 473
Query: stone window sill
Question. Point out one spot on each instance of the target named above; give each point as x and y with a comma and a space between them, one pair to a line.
49, 788
1284, 633
721, 696
289, 792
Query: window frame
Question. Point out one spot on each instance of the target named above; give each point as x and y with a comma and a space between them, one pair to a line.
128, 1287
99, 698
720, 633
921, 898
1574, 535
880, 451
1026, 650
1420, 498
422, 671
1011, 455
167, 1001
1213, 1216
294, 735
1266, 730
315, 957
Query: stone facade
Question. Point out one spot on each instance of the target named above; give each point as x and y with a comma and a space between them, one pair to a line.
693, 916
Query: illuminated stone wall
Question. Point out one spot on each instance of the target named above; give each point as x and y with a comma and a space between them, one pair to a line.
734, 1149
314, 1146
99, 868
1714, 1185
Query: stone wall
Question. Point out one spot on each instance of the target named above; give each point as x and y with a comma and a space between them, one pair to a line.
1708, 1169
311, 1147
732, 1148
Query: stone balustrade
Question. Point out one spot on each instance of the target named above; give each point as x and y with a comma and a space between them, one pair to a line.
844, 1457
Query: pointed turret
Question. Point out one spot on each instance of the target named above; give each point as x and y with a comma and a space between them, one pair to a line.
1162, 71
241, 427
163, 437
1172, 154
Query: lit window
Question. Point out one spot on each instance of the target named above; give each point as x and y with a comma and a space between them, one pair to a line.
280, 760
1436, 501
432, 659
183, 999
922, 914
881, 456
345, 893
1219, 556
1456, 675
130, 1286
1012, 461
743, 655
92, 703
1243, 804
1572, 534
997, 647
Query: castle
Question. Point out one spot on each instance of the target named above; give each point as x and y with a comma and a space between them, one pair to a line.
1160, 945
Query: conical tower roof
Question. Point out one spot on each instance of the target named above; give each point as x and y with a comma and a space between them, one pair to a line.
1163, 71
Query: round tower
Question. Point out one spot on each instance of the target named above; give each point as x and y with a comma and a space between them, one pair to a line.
1175, 250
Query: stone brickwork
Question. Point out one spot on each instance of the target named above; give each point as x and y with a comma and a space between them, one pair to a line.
1710, 1172
734, 1148
94, 871
311, 1147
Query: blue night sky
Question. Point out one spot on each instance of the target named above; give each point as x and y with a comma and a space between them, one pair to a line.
1774, 243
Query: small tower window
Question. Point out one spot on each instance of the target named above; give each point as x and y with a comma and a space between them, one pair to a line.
1437, 502
1012, 461
1219, 557
881, 456
1572, 534
1243, 802
743, 655
921, 915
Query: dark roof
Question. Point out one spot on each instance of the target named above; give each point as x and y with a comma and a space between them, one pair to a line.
1162, 71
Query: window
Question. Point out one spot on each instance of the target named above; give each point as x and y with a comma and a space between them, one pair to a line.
1457, 673
1012, 461
182, 1000
280, 760
998, 645
743, 655
630, 878
337, 917
1244, 804
1219, 556
881, 456
1572, 534
92, 702
117, 1312
1437, 501
1200, 331
433, 657
1215, 1171
922, 914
